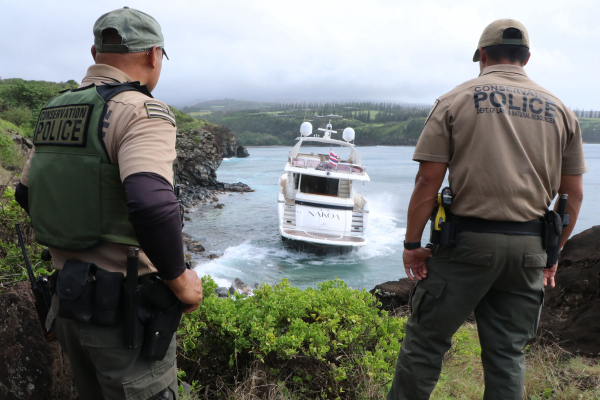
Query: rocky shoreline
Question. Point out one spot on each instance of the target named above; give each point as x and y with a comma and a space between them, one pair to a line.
200, 152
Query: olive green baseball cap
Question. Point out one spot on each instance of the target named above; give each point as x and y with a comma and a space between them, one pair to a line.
138, 30
492, 35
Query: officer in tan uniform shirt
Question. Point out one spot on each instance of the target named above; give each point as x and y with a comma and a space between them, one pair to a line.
510, 147
138, 134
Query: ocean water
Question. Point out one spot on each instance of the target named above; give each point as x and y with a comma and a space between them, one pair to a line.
245, 232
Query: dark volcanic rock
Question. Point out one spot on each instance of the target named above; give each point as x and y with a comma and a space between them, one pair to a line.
571, 312
224, 138
199, 154
242, 152
235, 187
30, 368
394, 294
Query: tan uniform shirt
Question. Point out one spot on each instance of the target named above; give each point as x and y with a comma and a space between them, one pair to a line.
137, 143
507, 141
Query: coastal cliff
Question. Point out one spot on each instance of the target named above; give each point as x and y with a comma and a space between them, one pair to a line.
200, 152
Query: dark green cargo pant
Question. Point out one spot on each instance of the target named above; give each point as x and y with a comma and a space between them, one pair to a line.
500, 278
104, 370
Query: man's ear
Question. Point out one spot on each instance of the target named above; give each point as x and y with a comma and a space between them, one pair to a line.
482, 55
152, 57
526, 61
94, 52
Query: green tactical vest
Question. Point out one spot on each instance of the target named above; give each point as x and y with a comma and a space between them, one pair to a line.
76, 198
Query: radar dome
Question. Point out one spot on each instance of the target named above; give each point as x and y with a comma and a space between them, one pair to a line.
306, 129
348, 134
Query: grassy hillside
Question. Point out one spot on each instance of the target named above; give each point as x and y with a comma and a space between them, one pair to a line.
258, 128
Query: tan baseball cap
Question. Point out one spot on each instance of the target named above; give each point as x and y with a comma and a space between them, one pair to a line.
492, 35
138, 30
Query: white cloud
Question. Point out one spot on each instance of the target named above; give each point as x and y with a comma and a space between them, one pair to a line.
313, 50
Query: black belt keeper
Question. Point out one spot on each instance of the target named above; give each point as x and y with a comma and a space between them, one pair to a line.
529, 228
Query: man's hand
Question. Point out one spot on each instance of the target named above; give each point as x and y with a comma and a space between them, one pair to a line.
188, 288
549, 275
414, 262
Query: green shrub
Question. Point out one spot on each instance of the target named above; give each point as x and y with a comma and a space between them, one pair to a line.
186, 122
328, 342
17, 115
12, 267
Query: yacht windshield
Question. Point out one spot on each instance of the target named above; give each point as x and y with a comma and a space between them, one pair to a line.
317, 185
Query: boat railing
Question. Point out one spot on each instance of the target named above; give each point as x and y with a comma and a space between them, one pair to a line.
327, 166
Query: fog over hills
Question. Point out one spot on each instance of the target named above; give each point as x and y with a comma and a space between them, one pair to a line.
320, 51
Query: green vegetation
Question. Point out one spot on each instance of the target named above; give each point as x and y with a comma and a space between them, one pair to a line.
590, 129
11, 264
330, 342
21, 100
551, 373
226, 105
186, 122
11, 258
256, 128
9, 153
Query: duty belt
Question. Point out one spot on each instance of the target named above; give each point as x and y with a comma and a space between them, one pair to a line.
530, 228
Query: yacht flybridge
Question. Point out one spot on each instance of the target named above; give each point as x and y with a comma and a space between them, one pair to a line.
318, 207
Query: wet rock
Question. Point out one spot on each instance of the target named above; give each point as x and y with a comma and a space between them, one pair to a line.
196, 247
239, 286
236, 187
242, 152
394, 295
213, 256
571, 313
192, 245
222, 292
30, 368
219, 206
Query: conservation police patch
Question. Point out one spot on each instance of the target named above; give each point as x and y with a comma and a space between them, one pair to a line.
63, 125
156, 110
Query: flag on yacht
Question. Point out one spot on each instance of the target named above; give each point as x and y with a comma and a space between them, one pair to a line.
333, 158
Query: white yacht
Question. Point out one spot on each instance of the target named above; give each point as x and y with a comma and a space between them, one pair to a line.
319, 209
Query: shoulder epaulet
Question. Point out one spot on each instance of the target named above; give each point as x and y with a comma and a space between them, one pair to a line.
157, 110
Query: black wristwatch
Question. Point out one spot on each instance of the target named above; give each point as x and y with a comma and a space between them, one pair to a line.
412, 245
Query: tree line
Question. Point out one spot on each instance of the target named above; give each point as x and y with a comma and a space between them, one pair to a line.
21, 100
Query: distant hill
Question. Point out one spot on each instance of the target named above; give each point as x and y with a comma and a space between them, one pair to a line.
227, 105
240, 105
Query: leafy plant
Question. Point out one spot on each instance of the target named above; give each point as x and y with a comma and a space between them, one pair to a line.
12, 267
327, 341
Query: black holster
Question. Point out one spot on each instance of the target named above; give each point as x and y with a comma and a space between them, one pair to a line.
163, 314
553, 225
446, 236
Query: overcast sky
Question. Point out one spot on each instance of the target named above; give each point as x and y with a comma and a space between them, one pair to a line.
409, 51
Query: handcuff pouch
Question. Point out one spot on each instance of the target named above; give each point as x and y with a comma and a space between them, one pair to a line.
75, 287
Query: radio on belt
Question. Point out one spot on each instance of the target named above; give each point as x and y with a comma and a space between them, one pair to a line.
442, 231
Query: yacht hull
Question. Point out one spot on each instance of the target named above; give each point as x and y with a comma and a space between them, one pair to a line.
315, 248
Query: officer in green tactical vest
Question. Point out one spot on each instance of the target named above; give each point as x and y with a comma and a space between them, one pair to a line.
98, 186
510, 147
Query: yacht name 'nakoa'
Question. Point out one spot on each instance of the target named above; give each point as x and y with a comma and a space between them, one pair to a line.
318, 206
